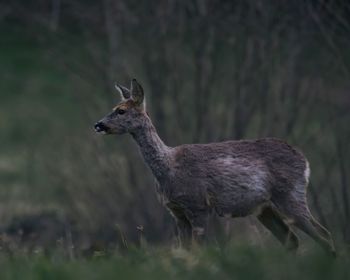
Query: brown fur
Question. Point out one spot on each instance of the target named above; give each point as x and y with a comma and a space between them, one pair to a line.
126, 105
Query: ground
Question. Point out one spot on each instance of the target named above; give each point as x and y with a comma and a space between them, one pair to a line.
232, 262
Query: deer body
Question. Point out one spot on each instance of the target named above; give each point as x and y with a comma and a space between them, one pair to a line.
234, 178
266, 177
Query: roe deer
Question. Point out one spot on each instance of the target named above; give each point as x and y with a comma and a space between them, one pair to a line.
266, 177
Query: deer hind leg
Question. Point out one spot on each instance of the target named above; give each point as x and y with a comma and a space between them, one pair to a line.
273, 221
299, 214
316, 231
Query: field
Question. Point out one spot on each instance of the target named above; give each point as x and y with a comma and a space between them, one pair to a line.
216, 70
233, 262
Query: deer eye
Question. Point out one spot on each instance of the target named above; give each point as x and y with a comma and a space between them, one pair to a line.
120, 111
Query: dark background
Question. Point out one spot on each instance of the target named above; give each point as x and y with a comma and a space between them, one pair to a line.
212, 70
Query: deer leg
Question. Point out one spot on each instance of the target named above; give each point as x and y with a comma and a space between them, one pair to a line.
199, 223
298, 212
273, 221
317, 232
184, 232
183, 226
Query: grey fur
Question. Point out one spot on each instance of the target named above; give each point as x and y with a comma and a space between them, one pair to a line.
123, 91
266, 177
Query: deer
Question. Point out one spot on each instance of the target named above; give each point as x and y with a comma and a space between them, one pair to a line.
264, 177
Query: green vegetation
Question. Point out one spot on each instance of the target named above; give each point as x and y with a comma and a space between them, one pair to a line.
234, 262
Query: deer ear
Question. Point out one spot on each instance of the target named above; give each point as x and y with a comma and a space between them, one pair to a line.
136, 92
124, 92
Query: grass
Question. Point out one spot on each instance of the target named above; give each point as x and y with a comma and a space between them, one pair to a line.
233, 262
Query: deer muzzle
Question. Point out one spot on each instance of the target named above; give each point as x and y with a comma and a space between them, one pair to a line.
100, 127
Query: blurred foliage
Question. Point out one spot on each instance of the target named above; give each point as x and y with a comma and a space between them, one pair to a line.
234, 262
212, 70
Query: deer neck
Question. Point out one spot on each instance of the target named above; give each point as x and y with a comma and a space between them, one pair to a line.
153, 149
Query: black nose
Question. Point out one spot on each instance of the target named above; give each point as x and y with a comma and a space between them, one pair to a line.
100, 127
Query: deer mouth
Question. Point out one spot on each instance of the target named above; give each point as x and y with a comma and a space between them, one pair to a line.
101, 128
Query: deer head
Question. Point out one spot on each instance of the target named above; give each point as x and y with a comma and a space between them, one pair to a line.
128, 115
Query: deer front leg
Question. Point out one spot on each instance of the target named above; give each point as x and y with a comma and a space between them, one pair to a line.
199, 223
183, 225
184, 232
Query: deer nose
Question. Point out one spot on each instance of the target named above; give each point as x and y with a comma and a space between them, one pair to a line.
100, 127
